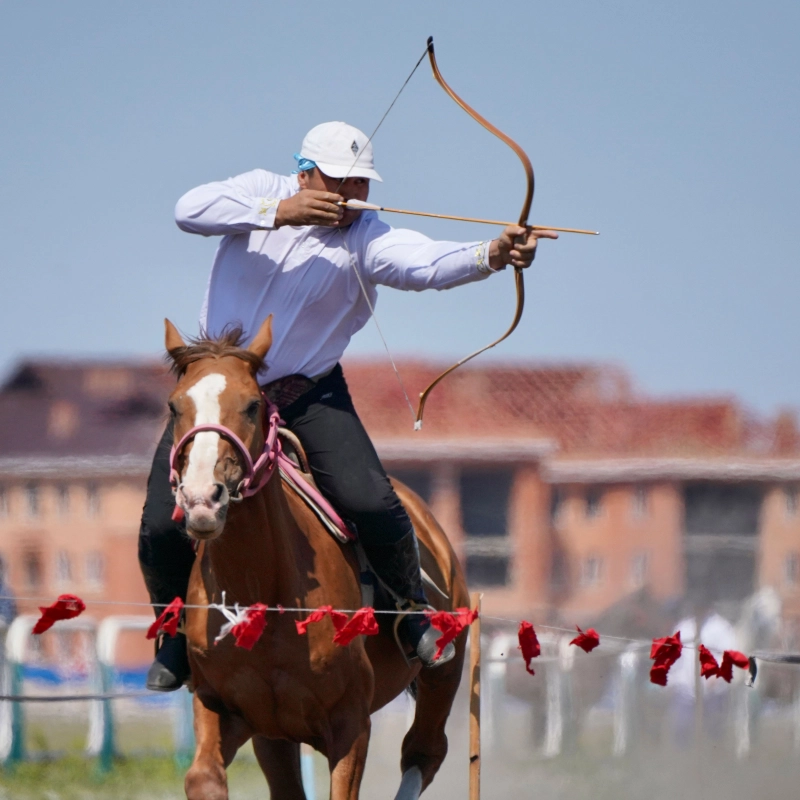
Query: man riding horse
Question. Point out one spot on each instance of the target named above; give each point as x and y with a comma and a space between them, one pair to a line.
289, 249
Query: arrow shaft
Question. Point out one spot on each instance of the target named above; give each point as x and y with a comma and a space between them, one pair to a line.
370, 206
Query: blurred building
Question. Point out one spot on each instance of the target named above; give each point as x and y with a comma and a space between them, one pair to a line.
563, 489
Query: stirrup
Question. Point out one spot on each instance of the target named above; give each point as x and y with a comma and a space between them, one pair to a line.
406, 607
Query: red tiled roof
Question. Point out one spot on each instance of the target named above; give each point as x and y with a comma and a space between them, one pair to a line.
114, 408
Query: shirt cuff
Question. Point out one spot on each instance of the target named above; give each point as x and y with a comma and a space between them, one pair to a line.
482, 259
264, 211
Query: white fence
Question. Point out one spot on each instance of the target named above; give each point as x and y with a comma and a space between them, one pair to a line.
625, 694
99, 689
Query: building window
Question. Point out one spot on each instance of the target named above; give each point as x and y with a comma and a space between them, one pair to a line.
791, 569
790, 498
556, 505
641, 501
592, 571
484, 513
92, 500
418, 480
639, 570
32, 568
63, 567
594, 502
32, 498
62, 500
95, 568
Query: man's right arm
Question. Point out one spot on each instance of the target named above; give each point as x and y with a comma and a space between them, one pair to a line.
256, 200
245, 203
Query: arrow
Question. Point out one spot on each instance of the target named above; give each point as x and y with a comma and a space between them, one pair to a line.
362, 206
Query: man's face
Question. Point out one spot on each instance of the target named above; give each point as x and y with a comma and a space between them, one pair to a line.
351, 189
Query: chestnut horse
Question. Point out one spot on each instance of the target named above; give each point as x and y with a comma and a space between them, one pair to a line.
271, 549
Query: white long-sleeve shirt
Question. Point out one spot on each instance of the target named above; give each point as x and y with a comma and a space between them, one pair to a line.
306, 276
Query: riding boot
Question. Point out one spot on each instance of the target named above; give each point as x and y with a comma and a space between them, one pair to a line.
170, 670
397, 565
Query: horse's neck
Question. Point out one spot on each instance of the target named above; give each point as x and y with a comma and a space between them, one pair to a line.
254, 560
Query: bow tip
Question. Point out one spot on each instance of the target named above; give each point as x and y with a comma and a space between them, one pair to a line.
418, 425
430, 43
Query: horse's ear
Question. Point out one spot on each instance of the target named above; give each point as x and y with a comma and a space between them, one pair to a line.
172, 339
263, 339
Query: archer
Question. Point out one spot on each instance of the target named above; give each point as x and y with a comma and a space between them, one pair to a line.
289, 249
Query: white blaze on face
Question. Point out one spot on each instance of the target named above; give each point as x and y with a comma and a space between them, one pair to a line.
205, 450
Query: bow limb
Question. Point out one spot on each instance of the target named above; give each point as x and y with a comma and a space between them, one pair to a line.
523, 221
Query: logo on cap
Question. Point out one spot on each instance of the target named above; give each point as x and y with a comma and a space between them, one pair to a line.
354, 148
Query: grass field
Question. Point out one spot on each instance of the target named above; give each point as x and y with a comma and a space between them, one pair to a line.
656, 768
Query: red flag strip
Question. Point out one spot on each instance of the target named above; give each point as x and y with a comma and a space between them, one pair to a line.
66, 607
168, 620
730, 659
708, 664
450, 623
362, 622
247, 631
665, 652
586, 641
320, 613
528, 644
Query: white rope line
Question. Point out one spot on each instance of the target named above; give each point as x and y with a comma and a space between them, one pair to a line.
231, 611
643, 643
218, 606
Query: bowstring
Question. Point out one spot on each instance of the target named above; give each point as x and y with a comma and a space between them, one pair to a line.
380, 122
371, 307
353, 263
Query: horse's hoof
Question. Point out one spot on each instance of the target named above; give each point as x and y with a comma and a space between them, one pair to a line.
171, 668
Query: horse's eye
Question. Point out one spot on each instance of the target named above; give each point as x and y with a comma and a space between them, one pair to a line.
253, 409
172, 410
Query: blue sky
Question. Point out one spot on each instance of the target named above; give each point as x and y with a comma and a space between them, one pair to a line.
672, 128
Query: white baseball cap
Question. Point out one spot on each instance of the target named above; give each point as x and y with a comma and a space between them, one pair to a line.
340, 151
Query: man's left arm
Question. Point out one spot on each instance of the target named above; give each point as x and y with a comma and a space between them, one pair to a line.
404, 259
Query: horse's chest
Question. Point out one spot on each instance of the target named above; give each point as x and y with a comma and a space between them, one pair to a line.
281, 696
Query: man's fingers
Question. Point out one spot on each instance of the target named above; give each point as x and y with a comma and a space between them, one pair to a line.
322, 205
541, 234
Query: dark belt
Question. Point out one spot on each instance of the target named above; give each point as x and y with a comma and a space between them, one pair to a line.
284, 391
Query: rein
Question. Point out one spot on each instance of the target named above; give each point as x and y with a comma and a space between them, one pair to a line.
265, 464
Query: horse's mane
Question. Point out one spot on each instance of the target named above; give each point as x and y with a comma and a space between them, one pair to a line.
228, 343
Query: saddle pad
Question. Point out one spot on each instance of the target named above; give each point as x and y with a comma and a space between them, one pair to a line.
301, 486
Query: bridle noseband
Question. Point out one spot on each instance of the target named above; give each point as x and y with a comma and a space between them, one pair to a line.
258, 473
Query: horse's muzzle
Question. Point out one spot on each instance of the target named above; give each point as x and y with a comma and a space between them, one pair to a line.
205, 509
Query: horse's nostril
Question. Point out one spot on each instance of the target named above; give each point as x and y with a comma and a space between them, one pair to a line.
219, 488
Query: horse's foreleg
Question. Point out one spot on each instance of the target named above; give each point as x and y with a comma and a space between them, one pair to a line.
347, 755
219, 736
425, 744
280, 762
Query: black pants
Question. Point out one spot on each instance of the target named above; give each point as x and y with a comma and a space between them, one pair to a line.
345, 466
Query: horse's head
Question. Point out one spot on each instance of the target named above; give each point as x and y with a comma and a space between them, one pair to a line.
216, 388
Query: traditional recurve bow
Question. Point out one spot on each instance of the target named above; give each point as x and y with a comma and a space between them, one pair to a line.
523, 221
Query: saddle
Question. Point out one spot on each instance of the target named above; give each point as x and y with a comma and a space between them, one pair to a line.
301, 481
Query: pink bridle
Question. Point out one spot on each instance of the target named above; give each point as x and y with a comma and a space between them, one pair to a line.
265, 463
